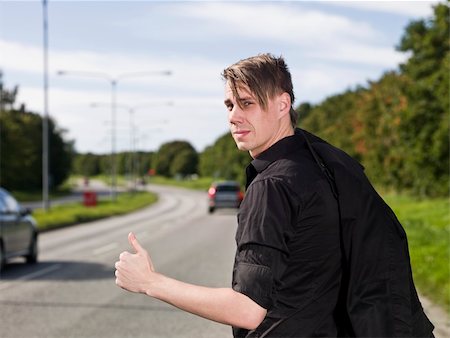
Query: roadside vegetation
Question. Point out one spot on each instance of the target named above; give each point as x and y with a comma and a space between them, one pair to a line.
36, 195
427, 224
201, 183
73, 213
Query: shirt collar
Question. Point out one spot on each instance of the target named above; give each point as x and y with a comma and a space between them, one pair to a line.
273, 153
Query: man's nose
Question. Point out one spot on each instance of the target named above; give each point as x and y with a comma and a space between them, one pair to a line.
235, 115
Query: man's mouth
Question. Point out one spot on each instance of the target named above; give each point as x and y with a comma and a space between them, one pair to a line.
240, 133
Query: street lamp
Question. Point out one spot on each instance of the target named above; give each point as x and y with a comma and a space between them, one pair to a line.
113, 81
131, 111
45, 138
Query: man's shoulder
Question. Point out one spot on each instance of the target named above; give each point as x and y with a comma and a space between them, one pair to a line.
295, 172
329, 153
291, 164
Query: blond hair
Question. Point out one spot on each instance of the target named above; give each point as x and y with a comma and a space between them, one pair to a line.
265, 76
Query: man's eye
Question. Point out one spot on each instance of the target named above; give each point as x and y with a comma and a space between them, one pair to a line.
229, 107
247, 103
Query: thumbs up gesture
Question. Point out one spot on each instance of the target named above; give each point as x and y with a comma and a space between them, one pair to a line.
134, 271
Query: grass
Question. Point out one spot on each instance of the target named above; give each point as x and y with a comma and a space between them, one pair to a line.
201, 183
73, 213
427, 224
32, 196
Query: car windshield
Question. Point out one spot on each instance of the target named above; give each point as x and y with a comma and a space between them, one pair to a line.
8, 202
227, 188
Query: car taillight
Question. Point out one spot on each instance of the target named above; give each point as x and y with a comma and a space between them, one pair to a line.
211, 192
240, 195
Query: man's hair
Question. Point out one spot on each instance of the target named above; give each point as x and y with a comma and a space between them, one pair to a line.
266, 76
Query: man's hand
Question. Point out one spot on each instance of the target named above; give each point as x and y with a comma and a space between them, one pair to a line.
134, 272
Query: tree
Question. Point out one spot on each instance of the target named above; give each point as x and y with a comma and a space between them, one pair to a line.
303, 110
377, 137
398, 126
168, 153
7, 97
21, 147
426, 128
224, 160
185, 163
21, 152
86, 164
60, 154
333, 119
143, 162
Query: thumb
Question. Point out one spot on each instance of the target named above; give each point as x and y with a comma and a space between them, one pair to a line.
134, 243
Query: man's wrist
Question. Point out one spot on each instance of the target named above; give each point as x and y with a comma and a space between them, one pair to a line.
154, 285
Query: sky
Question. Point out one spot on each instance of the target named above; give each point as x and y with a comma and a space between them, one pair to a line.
329, 46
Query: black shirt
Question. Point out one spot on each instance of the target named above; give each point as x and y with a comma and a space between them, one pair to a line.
288, 256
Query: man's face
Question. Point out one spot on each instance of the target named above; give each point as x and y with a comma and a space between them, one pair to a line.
253, 128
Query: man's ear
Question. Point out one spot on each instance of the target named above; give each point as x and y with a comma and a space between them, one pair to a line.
284, 104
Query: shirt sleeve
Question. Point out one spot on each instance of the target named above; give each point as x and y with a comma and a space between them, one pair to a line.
266, 224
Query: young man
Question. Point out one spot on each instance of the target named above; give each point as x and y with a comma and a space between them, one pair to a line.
318, 252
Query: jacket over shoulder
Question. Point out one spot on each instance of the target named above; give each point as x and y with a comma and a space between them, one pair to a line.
378, 297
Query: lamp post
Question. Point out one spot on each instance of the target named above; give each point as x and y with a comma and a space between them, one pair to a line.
113, 81
131, 111
45, 141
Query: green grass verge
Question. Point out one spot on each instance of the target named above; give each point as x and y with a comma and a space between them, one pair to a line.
426, 223
33, 196
202, 183
73, 213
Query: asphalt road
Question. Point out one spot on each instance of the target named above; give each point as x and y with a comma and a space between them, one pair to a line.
71, 292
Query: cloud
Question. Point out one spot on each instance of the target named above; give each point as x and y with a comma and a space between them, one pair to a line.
317, 34
21, 57
191, 75
363, 54
310, 83
291, 22
418, 8
29, 58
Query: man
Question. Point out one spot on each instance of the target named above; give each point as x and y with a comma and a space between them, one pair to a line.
305, 264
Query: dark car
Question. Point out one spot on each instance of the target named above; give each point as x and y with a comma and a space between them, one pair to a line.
226, 194
18, 231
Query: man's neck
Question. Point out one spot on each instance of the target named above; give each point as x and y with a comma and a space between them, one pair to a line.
279, 135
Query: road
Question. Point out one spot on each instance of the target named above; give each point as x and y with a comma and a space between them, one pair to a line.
71, 291
100, 188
